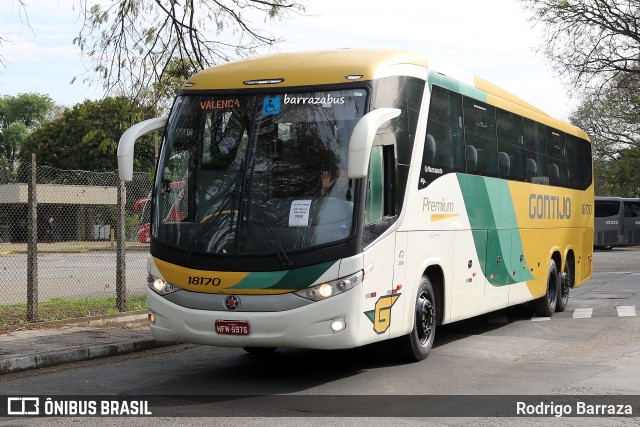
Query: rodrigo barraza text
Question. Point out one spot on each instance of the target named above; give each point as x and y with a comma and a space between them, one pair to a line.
577, 408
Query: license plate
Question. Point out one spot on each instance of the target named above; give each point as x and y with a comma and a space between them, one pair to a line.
232, 327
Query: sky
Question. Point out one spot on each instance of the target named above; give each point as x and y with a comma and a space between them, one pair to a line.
492, 39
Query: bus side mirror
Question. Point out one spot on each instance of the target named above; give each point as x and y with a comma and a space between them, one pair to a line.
362, 139
127, 141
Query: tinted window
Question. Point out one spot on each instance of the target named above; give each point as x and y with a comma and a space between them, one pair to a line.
535, 152
631, 209
511, 159
480, 138
605, 208
444, 143
467, 135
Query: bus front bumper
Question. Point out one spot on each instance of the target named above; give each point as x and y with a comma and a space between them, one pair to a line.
309, 326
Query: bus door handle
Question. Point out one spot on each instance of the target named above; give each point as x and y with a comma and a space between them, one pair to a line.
499, 260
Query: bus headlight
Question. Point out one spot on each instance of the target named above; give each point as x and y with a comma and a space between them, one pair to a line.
160, 286
328, 289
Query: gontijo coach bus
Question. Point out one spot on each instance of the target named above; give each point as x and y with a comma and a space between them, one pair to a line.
335, 199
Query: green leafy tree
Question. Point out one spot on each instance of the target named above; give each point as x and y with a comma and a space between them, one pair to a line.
133, 44
20, 115
13, 136
28, 108
86, 136
619, 175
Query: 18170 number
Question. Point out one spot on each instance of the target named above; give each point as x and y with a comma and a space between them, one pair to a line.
204, 281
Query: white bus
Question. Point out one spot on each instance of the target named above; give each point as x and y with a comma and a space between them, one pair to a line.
339, 198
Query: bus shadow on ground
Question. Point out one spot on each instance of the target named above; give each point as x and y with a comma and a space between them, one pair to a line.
289, 370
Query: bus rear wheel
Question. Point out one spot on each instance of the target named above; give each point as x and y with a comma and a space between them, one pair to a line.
566, 282
546, 305
417, 345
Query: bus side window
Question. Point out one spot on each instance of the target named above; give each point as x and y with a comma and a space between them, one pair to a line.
535, 151
380, 205
511, 154
556, 157
480, 137
375, 185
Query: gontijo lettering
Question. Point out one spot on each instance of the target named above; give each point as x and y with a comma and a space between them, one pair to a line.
549, 207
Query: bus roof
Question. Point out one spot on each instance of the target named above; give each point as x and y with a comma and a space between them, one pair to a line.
300, 68
333, 67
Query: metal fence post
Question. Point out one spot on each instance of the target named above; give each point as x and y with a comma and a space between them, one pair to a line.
32, 246
121, 280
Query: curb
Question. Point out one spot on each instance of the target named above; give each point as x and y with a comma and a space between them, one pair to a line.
24, 363
90, 352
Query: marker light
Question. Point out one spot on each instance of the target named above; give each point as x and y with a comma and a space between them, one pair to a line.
160, 286
263, 82
152, 318
328, 289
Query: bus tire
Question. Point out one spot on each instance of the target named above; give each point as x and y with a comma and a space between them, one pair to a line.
418, 343
565, 282
259, 351
546, 305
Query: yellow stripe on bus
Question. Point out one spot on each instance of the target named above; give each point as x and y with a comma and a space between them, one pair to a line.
198, 280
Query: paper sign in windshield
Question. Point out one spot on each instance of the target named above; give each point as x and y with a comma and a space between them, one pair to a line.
299, 213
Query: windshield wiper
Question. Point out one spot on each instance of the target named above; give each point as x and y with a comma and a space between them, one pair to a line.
268, 231
211, 224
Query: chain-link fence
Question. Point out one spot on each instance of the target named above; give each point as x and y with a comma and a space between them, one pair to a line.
61, 255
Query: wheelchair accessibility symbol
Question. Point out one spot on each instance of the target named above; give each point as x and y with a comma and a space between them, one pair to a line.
271, 106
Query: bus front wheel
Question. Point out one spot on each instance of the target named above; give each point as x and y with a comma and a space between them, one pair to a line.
418, 343
546, 305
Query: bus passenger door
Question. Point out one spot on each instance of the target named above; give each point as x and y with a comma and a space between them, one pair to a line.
379, 299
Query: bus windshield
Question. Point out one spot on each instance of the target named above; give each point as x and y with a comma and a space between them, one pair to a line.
262, 174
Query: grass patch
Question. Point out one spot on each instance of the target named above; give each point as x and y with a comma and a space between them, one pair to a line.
60, 309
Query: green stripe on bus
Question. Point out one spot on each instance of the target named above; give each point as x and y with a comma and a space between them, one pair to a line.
456, 86
297, 278
495, 233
